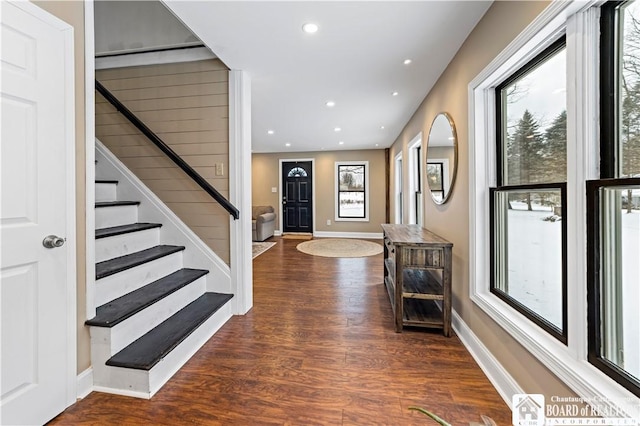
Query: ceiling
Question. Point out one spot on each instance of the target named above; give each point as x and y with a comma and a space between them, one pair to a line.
355, 59
125, 27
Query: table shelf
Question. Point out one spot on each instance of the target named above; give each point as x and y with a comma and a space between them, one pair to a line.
417, 276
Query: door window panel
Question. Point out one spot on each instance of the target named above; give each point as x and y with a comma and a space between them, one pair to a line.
297, 172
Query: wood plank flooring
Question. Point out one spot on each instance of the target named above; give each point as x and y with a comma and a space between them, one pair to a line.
318, 348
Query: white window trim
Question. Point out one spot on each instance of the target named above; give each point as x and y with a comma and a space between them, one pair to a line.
367, 201
398, 194
580, 22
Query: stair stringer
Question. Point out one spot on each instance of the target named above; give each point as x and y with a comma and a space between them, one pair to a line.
174, 231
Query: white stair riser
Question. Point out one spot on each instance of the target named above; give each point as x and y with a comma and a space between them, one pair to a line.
116, 285
120, 245
106, 217
124, 333
106, 342
165, 369
121, 381
144, 384
106, 191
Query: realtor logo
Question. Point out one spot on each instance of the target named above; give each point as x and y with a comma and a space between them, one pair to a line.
528, 409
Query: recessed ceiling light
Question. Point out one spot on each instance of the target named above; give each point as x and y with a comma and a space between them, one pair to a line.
287, 144
310, 28
394, 94
407, 61
337, 129
341, 143
377, 145
270, 132
381, 127
330, 104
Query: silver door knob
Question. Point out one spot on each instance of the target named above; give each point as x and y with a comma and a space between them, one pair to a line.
52, 241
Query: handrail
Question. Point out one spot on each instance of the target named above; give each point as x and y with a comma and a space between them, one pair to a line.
233, 211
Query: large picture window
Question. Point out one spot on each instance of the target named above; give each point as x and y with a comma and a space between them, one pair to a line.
352, 181
527, 208
602, 270
613, 202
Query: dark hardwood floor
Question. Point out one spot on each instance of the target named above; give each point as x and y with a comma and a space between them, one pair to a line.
318, 348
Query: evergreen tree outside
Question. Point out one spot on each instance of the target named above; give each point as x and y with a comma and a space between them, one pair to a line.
629, 133
525, 163
535, 128
555, 149
347, 180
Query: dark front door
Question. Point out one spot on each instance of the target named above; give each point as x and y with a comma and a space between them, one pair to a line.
297, 201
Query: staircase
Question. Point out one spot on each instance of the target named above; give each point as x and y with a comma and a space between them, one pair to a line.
153, 313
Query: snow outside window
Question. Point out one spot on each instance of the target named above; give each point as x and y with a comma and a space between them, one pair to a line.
528, 251
572, 361
613, 230
352, 191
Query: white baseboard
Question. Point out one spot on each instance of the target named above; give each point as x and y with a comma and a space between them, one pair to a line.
364, 235
84, 382
497, 375
122, 392
277, 233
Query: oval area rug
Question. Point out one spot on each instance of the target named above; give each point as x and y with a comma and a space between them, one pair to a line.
340, 247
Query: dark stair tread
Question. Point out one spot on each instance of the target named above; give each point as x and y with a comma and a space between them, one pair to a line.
106, 181
149, 349
119, 264
116, 203
125, 229
124, 307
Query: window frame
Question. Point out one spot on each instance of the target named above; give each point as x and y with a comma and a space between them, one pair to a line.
416, 172
339, 218
533, 316
594, 238
609, 148
441, 163
551, 50
398, 189
580, 22
501, 159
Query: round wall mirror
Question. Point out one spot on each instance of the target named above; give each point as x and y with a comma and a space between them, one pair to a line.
442, 157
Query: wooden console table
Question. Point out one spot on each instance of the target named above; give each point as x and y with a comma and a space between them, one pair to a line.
417, 275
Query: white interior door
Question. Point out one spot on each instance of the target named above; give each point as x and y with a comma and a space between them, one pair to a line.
35, 282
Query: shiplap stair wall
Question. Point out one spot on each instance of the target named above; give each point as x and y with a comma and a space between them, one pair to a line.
159, 294
187, 106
